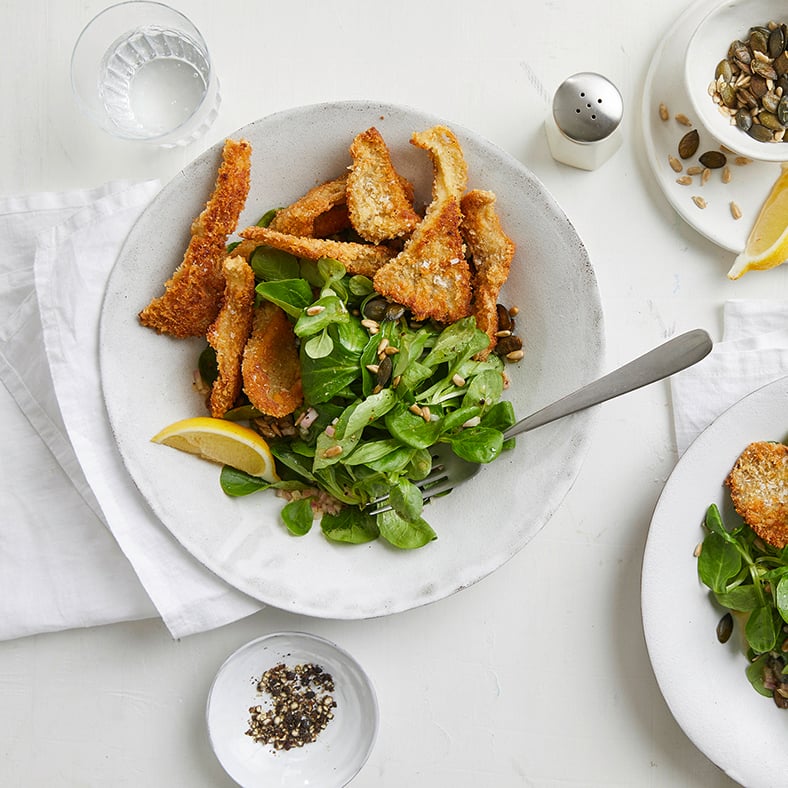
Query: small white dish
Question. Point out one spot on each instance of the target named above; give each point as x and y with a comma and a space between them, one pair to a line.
339, 751
708, 45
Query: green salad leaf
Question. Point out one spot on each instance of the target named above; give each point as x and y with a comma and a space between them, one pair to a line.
377, 399
750, 577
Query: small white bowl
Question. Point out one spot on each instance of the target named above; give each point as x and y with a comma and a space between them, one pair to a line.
708, 45
339, 751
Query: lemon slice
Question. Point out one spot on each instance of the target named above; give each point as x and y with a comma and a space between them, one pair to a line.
767, 244
221, 441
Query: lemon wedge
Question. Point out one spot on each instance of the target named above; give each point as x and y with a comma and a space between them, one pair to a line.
223, 442
767, 244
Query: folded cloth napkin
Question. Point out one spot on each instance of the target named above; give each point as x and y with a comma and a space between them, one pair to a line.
753, 351
78, 544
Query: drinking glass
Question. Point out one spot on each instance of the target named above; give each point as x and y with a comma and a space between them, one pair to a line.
141, 70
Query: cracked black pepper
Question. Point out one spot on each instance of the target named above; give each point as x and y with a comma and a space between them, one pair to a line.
301, 706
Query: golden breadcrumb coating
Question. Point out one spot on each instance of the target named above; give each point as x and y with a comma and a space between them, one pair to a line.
431, 275
378, 202
450, 169
227, 334
363, 259
193, 294
491, 252
271, 368
302, 217
759, 490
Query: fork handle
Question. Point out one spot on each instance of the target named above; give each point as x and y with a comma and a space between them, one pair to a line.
674, 355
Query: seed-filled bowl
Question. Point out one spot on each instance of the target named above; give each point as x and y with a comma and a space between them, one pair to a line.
293, 710
736, 73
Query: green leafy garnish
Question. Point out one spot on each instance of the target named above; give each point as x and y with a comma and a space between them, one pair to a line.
373, 413
750, 577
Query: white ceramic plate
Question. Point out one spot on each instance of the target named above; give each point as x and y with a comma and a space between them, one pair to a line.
749, 185
338, 752
147, 379
703, 682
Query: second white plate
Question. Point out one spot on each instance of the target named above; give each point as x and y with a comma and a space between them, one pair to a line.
703, 681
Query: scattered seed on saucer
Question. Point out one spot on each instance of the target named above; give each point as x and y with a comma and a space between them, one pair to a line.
684, 180
683, 119
675, 164
663, 112
726, 174
713, 159
694, 170
688, 144
741, 161
735, 210
699, 201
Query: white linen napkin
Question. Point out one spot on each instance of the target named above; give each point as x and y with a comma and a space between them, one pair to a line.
753, 351
63, 480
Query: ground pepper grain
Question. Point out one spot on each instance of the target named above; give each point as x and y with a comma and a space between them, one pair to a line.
301, 706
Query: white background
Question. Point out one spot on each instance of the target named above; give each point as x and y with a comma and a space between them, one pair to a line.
536, 676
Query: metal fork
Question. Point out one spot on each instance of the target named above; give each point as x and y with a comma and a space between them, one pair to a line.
449, 470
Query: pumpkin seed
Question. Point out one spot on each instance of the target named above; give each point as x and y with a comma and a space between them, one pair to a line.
776, 42
743, 120
764, 68
770, 121
760, 133
688, 144
713, 159
725, 628
759, 40
782, 111
758, 86
724, 70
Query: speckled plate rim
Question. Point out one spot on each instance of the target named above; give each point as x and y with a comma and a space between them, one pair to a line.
146, 379
702, 681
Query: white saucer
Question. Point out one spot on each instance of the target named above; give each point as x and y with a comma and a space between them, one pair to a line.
749, 185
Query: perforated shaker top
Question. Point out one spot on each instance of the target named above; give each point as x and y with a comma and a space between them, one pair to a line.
587, 107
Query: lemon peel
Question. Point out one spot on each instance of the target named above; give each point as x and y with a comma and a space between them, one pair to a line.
767, 243
221, 441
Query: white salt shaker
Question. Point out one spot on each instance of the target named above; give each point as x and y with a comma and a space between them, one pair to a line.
584, 128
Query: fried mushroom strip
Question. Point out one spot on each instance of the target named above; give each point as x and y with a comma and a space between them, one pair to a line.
321, 211
431, 275
227, 335
271, 369
377, 199
363, 259
491, 252
759, 490
192, 296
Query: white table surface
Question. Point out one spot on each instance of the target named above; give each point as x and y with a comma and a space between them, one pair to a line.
539, 674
